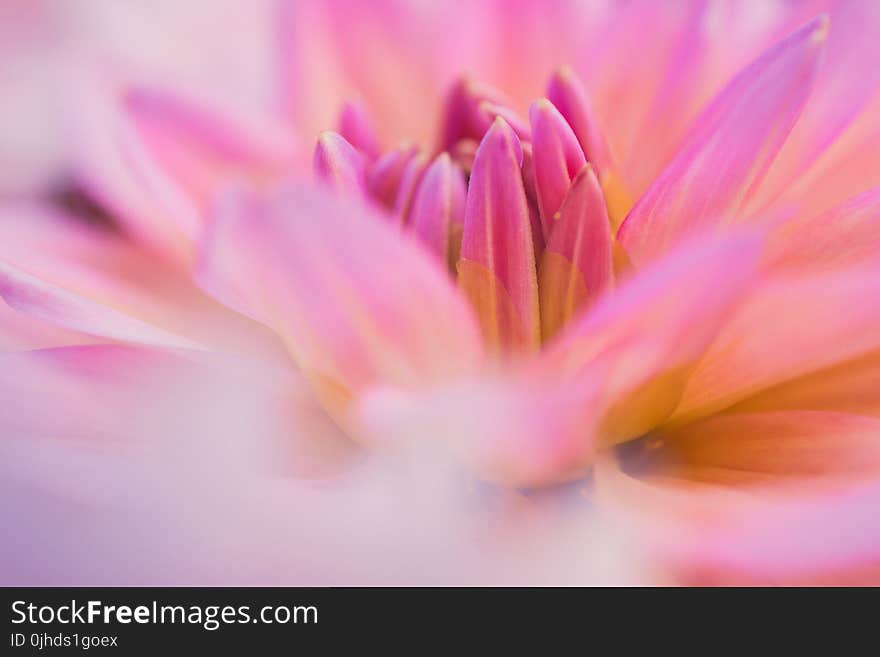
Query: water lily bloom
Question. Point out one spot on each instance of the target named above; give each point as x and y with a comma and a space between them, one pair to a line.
639, 289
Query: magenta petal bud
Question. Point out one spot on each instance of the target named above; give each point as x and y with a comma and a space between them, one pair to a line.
557, 156
338, 164
567, 94
576, 267
497, 267
438, 211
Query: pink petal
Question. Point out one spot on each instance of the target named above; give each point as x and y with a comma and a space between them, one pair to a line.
105, 268
576, 266
154, 158
729, 149
356, 303
842, 236
844, 170
822, 538
704, 48
53, 304
805, 532
322, 63
438, 211
850, 387
497, 266
848, 79
643, 340
197, 144
788, 327
357, 129
338, 164
557, 160
782, 444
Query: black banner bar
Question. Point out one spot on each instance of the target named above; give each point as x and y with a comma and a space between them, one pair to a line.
128, 621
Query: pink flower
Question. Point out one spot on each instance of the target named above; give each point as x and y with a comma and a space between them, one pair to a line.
652, 284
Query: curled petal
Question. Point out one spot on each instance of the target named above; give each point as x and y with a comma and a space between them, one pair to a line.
576, 266
497, 266
557, 160
729, 149
337, 164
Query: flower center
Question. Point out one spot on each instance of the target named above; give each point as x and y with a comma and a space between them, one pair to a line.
522, 212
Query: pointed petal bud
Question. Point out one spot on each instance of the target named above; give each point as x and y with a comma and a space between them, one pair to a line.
576, 267
557, 159
497, 266
729, 149
338, 164
409, 183
568, 95
357, 128
438, 211
384, 175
